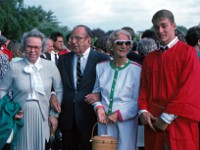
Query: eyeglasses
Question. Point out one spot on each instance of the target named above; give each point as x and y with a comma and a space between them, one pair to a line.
122, 42
37, 48
77, 38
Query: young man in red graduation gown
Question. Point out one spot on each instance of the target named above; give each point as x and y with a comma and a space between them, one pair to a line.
169, 99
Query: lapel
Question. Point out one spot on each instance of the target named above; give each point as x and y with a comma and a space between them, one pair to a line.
69, 69
48, 56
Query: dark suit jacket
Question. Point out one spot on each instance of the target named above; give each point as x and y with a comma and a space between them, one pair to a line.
48, 56
73, 104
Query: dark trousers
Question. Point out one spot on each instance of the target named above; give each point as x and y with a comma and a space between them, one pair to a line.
76, 140
6, 147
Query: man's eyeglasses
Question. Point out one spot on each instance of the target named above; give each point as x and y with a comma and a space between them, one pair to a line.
37, 48
122, 42
77, 38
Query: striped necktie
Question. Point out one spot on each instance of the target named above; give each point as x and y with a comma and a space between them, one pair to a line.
78, 69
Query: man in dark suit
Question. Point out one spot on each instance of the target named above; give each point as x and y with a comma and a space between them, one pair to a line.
77, 117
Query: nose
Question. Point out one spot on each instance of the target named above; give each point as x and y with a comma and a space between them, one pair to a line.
160, 29
124, 45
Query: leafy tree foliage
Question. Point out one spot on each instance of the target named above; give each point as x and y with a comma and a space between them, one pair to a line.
16, 19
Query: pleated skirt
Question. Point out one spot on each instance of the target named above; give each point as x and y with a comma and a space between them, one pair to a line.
35, 131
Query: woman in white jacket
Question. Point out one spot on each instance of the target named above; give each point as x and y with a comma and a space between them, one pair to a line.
118, 84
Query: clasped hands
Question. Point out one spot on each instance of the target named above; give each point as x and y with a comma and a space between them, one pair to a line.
153, 122
103, 118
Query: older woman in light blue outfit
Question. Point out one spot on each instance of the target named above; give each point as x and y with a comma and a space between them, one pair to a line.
31, 81
118, 83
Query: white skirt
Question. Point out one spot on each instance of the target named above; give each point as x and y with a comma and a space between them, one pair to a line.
35, 131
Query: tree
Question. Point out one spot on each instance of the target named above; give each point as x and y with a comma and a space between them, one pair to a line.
16, 19
9, 17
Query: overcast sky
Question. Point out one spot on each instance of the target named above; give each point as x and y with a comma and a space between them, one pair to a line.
114, 14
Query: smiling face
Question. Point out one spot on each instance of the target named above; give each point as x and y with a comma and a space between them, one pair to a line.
165, 30
121, 45
33, 49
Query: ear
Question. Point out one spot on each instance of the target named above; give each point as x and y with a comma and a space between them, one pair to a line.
198, 42
174, 25
89, 40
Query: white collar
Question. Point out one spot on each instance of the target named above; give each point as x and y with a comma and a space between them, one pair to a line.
53, 52
86, 52
36, 81
173, 42
37, 64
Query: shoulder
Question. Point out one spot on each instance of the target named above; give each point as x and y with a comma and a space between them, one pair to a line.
182, 46
67, 55
99, 54
183, 49
103, 63
19, 63
48, 64
133, 63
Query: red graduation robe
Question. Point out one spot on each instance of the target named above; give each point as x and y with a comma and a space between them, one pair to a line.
170, 83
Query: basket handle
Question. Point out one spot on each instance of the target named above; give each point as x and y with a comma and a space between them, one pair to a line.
93, 129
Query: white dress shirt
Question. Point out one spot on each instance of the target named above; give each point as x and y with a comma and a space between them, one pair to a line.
53, 56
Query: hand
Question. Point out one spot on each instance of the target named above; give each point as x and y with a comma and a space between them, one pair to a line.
160, 124
1, 52
19, 115
113, 117
147, 118
101, 114
53, 122
55, 103
92, 98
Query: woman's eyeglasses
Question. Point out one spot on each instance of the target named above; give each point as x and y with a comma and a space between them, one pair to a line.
36, 48
122, 42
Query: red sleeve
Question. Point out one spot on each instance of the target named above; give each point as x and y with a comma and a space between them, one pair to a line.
64, 51
185, 101
142, 100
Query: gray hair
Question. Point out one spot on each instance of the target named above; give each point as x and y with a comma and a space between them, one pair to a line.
45, 45
146, 45
33, 33
113, 36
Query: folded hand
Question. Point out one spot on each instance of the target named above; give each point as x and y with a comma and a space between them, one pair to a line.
101, 114
55, 103
53, 122
113, 117
147, 119
19, 115
160, 124
92, 98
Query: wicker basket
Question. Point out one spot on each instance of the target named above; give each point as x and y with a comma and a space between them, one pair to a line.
103, 142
